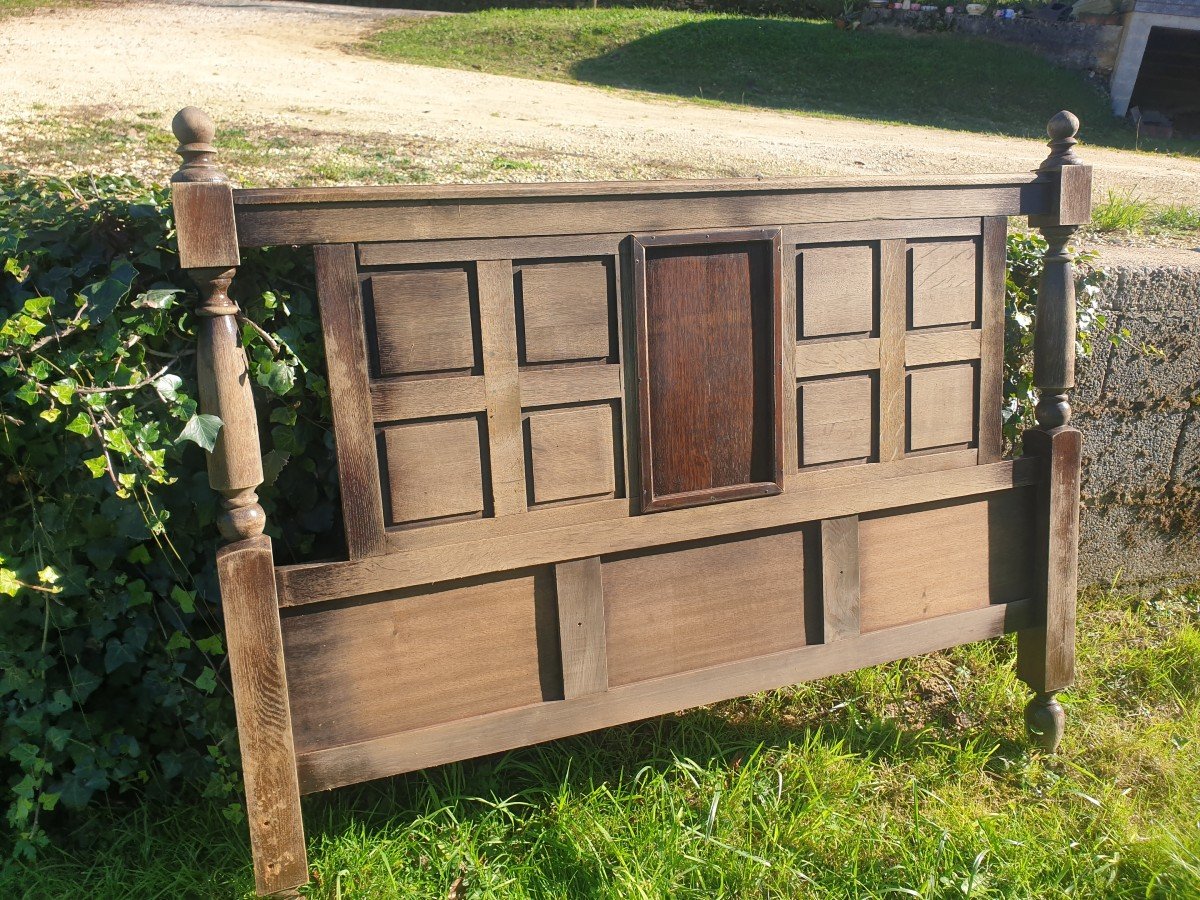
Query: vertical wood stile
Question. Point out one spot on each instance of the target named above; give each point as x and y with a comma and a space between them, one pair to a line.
498, 328
245, 567
787, 337
581, 631
840, 578
893, 322
349, 389
1046, 653
991, 357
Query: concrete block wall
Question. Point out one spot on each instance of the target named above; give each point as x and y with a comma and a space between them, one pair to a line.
1138, 405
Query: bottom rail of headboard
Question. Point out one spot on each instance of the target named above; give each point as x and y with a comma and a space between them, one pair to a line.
496, 732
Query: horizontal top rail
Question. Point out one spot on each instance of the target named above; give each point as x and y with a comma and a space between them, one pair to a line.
577, 189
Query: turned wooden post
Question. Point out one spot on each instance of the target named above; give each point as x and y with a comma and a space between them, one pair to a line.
208, 249
1046, 653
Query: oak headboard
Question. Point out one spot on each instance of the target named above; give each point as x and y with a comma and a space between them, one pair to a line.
611, 450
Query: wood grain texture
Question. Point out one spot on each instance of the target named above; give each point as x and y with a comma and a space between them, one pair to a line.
945, 558
508, 214
315, 582
581, 634
877, 230
434, 470
204, 223
923, 348
264, 718
570, 384
497, 732
365, 670
788, 329
681, 610
893, 318
502, 386
423, 321
1070, 197
837, 290
943, 283
837, 420
817, 358
571, 453
1046, 652
941, 406
994, 248
840, 578
565, 311
708, 313
350, 399
422, 398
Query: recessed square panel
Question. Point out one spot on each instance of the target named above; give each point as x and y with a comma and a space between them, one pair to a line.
836, 420
423, 322
941, 406
566, 311
571, 453
434, 470
943, 283
837, 291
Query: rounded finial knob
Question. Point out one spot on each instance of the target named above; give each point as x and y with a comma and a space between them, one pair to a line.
1063, 125
195, 132
193, 125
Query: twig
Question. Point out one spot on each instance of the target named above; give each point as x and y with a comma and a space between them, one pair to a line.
126, 387
267, 339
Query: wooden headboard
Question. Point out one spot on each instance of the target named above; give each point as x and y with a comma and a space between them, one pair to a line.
612, 450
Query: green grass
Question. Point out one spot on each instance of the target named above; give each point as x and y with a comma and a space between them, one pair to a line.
941, 80
905, 780
1123, 212
21, 7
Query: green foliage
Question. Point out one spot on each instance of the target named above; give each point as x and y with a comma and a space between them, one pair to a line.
1025, 250
113, 666
1123, 211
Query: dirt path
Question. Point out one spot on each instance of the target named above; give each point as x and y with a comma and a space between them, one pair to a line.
286, 65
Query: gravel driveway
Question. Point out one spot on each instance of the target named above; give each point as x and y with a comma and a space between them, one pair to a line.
276, 64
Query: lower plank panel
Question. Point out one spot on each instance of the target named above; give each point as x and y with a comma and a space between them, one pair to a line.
390, 755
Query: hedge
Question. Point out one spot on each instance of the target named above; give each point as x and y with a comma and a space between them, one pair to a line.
114, 677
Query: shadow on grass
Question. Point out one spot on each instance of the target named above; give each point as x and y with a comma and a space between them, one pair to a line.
938, 80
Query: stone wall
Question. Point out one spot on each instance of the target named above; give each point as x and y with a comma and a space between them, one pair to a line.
1138, 405
1091, 48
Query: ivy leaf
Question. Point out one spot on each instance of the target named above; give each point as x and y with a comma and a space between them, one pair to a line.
201, 429
178, 641
278, 376
185, 599
28, 393
97, 465
168, 387
9, 583
104, 295
80, 425
63, 391
207, 681
50, 415
161, 298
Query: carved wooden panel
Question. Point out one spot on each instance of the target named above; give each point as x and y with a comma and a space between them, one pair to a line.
943, 283
566, 311
708, 313
837, 290
571, 454
423, 321
837, 420
941, 406
717, 601
433, 470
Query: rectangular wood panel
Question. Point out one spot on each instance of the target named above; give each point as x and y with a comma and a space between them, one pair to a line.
709, 359
581, 627
433, 470
502, 386
565, 311
360, 671
571, 453
946, 558
709, 604
423, 321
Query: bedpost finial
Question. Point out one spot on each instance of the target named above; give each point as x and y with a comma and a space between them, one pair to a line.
1062, 128
194, 130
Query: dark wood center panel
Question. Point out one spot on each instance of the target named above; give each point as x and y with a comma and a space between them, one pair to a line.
708, 326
